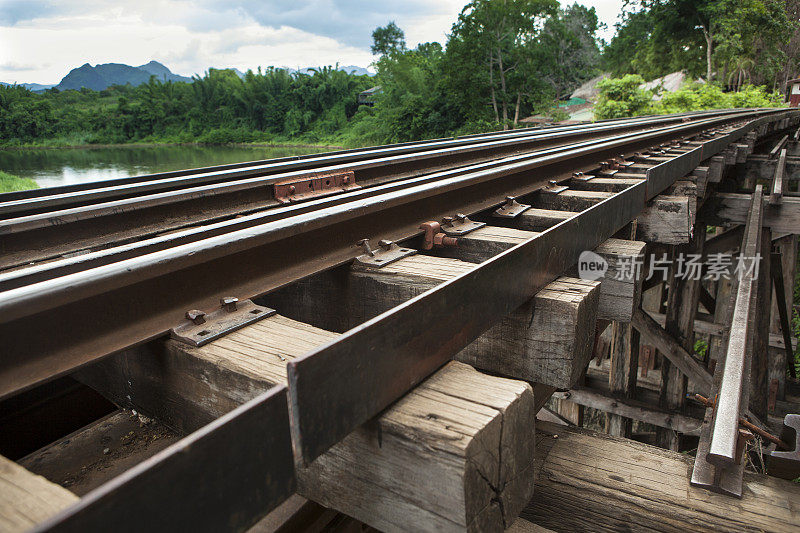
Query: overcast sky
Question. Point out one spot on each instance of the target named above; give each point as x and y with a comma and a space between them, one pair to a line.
40, 40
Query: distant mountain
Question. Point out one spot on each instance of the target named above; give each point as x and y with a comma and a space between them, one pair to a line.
350, 69
103, 76
35, 87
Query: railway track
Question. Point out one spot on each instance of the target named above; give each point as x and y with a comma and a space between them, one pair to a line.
124, 274
48, 224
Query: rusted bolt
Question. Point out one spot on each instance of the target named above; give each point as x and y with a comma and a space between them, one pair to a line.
197, 317
577, 174
461, 217
510, 201
228, 303
386, 245
346, 179
364, 243
442, 239
552, 183
434, 236
292, 189
447, 221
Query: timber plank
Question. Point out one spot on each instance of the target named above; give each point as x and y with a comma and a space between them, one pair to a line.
27, 499
592, 482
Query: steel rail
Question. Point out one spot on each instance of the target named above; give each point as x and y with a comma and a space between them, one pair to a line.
26, 276
715, 466
34, 204
729, 406
96, 312
49, 235
34, 274
342, 156
381, 159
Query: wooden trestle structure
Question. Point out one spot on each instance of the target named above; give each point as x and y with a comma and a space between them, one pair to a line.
485, 430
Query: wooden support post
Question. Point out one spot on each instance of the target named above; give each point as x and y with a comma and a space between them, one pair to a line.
665, 220
455, 453
623, 374
593, 482
27, 499
682, 300
624, 356
787, 247
759, 382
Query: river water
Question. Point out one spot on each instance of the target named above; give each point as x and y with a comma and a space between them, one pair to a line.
63, 166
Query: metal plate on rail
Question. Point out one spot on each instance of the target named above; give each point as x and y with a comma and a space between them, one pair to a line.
220, 322
314, 186
223, 477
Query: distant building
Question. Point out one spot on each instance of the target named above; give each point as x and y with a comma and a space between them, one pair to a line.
793, 88
368, 97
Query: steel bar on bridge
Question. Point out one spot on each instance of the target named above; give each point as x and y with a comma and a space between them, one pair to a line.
719, 463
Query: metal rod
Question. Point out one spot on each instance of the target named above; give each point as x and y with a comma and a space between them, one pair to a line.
728, 411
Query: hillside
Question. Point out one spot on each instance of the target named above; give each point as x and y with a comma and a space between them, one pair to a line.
103, 76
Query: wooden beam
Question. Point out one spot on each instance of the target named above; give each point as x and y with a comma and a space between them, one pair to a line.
433, 458
732, 208
759, 364
535, 219
725, 242
569, 200
632, 409
654, 334
549, 340
486, 242
593, 482
614, 184
665, 220
776, 195
27, 499
621, 286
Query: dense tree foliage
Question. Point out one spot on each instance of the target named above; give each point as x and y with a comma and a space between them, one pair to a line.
218, 107
730, 42
504, 59
624, 97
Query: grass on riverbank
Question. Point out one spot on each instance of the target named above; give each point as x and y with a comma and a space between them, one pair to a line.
11, 183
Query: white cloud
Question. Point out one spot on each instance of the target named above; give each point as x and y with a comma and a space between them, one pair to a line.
41, 41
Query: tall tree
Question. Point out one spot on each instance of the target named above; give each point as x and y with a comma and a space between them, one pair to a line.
387, 40
490, 36
567, 48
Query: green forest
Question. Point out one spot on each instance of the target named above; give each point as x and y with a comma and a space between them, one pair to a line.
503, 60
